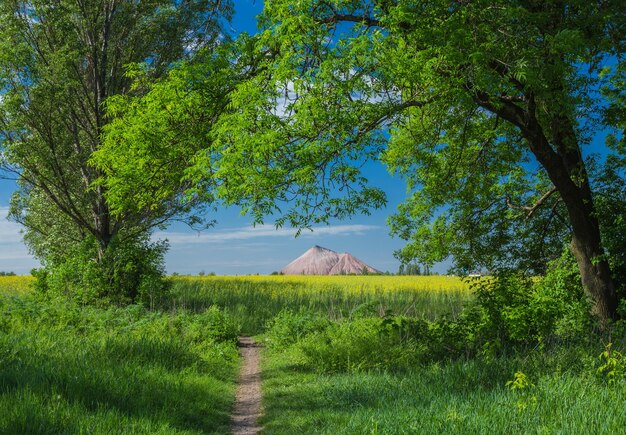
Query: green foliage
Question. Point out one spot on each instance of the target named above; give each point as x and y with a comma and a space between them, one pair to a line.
413, 269
438, 92
612, 366
254, 303
518, 310
130, 271
365, 343
477, 105
71, 369
287, 327
611, 199
59, 64
148, 146
521, 384
509, 312
513, 310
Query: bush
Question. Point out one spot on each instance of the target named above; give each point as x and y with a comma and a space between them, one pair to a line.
510, 311
521, 310
212, 323
130, 271
361, 344
288, 327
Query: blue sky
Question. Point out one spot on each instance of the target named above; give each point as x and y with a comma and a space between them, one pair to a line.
233, 247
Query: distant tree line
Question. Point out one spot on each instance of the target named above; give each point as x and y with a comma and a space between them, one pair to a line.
414, 269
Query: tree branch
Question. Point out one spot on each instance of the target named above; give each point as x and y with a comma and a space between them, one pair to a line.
532, 209
343, 18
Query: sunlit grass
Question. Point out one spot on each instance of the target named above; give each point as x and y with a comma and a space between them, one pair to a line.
70, 369
16, 285
254, 300
462, 396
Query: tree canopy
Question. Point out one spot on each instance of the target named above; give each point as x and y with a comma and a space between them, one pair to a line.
485, 108
59, 63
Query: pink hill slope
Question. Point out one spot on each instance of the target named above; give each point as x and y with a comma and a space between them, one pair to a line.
322, 261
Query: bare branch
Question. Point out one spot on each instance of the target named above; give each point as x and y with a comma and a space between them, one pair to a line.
532, 209
343, 18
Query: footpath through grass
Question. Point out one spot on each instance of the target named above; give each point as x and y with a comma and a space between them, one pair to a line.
522, 357
343, 356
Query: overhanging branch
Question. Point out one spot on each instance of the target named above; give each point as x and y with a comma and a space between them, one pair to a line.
530, 211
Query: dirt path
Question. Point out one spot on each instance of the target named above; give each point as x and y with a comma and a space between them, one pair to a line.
248, 396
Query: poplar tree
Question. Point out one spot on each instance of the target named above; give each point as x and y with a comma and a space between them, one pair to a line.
60, 61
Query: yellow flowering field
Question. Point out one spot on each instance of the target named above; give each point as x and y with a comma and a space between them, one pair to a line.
255, 299
350, 283
15, 285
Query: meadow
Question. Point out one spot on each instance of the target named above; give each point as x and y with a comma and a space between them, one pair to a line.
15, 285
561, 394
346, 354
71, 369
255, 300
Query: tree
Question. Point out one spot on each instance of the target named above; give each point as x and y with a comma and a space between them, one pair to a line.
487, 106
61, 60
152, 139
410, 269
483, 107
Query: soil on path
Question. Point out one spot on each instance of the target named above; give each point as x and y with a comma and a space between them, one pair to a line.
248, 397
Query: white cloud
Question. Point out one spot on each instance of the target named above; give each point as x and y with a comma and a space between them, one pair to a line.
246, 233
9, 231
14, 255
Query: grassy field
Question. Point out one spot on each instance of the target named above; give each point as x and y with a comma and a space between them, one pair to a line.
70, 369
254, 300
457, 397
336, 362
15, 285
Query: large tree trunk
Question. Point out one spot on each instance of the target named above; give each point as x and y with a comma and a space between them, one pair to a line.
587, 248
586, 244
566, 169
563, 161
596, 277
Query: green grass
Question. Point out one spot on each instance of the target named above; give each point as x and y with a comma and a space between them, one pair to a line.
464, 396
67, 369
15, 285
327, 367
254, 301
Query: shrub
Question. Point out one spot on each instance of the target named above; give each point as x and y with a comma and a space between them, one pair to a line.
511, 308
212, 323
360, 344
287, 327
130, 271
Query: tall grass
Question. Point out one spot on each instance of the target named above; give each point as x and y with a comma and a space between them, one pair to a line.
457, 397
254, 300
70, 369
16, 285
523, 359
335, 363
